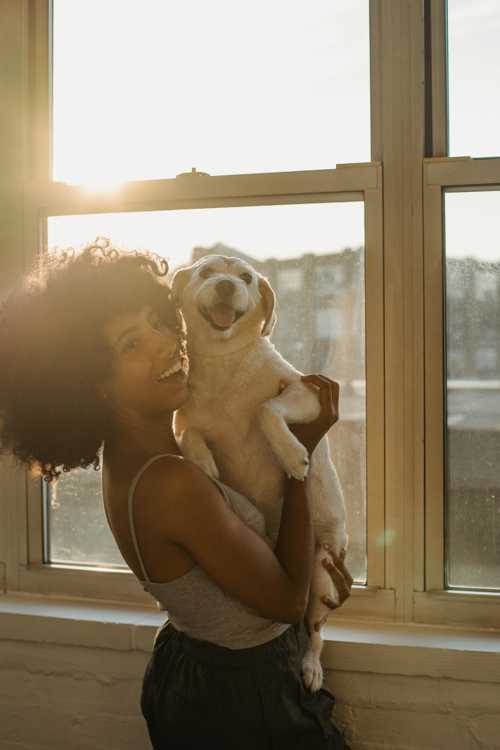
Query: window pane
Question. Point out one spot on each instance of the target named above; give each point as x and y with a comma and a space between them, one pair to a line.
473, 392
77, 528
473, 75
320, 326
151, 89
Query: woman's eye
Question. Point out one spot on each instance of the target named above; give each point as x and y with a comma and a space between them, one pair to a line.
156, 323
130, 345
247, 277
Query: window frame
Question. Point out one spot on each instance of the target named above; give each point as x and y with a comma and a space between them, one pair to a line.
436, 604
43, 198
404, 298
347, 182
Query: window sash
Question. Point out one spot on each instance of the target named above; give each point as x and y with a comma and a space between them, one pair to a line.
42, 197
351, 182
432, 603
437, 604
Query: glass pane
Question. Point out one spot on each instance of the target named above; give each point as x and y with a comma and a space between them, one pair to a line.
78, 532
473, 390
473, 75
151, 89
313, 255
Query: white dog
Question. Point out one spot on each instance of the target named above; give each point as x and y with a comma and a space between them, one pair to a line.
234, 415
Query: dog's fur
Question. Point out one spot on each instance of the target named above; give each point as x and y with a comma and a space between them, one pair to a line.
234, 424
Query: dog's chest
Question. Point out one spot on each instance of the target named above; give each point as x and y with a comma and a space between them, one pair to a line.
226, 393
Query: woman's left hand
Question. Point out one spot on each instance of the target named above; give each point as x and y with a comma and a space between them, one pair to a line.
341, 578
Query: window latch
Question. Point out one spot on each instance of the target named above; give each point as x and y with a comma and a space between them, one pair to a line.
193, 173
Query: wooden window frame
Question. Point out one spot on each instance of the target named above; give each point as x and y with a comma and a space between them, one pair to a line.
433, 603
436, 604
403, 276
26, 570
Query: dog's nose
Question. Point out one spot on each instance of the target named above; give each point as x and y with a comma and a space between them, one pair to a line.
225, 288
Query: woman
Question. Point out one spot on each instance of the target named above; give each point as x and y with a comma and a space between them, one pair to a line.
93, 352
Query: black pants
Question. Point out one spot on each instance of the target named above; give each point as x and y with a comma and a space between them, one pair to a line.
198, 695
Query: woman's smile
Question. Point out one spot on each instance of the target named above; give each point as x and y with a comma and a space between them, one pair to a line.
178, 368
146, 351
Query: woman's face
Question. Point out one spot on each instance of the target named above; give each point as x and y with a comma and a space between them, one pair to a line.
149, 371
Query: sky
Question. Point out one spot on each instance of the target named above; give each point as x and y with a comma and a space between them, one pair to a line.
233, 87
472, 220
226, 87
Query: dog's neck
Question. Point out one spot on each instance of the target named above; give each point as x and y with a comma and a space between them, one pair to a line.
206, 354
224, 367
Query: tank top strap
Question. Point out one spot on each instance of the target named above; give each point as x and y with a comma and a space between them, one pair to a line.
131, 491
225, 491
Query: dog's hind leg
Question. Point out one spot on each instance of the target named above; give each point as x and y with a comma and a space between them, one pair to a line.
316, 615
312, 671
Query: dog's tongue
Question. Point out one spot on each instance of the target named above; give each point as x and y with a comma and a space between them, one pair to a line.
222, 315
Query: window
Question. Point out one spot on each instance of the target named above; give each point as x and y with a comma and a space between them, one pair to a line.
231, 87
289, 279
259, 131
473, 399
77, 529
295, 149
462, 404
473, 73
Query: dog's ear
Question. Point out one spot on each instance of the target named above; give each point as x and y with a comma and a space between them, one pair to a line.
269, 302
179, 280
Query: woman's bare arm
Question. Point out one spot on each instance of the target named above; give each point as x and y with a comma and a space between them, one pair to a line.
188, 508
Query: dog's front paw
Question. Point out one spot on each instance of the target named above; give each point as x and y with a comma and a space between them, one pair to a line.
195, 449
295, 460
312, 671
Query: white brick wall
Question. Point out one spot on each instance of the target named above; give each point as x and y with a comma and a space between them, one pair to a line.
69, 697
400, 712
55, 697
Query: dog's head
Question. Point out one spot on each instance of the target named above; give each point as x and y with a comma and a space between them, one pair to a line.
223, 300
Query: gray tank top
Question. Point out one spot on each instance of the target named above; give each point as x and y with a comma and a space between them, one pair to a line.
194, 603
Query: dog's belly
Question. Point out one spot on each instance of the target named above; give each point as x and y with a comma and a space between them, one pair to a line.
246, 463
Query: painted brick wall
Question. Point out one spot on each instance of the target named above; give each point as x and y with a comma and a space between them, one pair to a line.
58, 697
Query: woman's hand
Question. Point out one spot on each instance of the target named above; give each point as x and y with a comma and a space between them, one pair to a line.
341, 577
310, 433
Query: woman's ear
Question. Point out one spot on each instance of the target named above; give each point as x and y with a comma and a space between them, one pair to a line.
179, 280
268, 298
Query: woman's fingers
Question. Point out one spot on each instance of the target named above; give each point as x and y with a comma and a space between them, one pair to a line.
317, 625
328, 395
341, 566
339, 561
329, 602
342, 579
340, 576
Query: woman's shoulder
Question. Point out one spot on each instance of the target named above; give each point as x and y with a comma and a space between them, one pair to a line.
175, 476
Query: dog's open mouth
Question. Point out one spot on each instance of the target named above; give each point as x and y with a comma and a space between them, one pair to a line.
221, 315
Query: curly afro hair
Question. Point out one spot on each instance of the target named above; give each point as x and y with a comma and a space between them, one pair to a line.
54, 356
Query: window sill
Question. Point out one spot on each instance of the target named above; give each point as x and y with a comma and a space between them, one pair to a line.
418, 650
73, 622
413, 650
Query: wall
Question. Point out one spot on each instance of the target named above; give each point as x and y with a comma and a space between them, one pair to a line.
55, 697
57, 690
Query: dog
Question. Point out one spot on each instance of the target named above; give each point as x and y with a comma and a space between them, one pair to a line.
236, 412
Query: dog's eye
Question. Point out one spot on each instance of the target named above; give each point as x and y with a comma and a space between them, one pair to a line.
247, 277
205, 273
